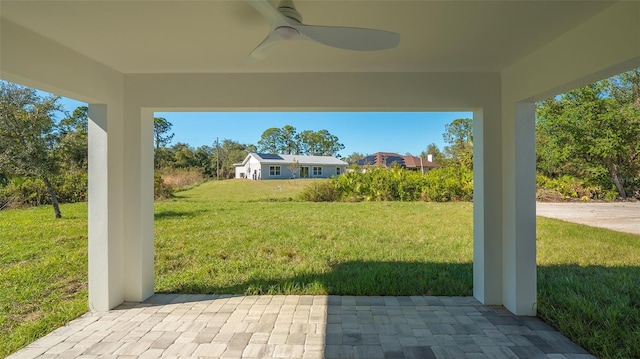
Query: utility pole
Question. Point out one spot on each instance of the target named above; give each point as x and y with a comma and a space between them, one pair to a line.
217, 160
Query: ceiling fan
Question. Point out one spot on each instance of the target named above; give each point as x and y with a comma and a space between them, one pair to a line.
286, 24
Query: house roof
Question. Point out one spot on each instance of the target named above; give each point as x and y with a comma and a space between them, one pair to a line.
270, 158
389, 158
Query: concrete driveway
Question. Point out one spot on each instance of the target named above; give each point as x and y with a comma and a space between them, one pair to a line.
617, 216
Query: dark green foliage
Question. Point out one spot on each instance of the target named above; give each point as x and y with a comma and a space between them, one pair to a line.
29, 135
287, 140
72, 148
593, 133
161, 135
565, 187
206, 158
19, 192
449, 184
459, 137
394, 184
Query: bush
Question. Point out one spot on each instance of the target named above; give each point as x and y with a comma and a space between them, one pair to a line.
566, 188
448, 184
71, 187
394, 184
161, 190
23, 192
320, 192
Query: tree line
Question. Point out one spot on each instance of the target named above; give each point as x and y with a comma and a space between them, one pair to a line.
44, 160
217, 161
587, 145
587, 142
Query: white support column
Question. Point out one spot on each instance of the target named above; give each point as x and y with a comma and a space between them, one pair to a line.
106, 214
487, 207
519, 208
138, 185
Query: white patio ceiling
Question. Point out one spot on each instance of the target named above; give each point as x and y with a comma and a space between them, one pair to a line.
216, 36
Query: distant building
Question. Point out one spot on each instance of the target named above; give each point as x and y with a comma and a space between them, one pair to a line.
388, 159
262, 166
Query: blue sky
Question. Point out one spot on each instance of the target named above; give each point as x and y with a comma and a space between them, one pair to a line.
364, 132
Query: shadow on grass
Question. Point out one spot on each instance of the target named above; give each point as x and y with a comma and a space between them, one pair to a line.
363, 278
595, 306
177, 214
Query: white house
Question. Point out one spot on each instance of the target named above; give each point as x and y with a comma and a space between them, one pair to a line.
258, 166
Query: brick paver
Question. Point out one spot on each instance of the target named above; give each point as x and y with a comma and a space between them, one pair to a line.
227, 326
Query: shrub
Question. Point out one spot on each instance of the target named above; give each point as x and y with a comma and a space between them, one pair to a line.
394, 184
71, 187
320, 192
570, 188
23, 192
448, 184
161, 190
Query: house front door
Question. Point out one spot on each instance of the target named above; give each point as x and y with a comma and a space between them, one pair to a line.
304, 172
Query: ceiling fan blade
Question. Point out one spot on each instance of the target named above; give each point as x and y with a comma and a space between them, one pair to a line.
350, 38
264, 48
269, 12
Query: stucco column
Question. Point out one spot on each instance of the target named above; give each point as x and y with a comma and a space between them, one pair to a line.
106, 207
138, 189
519, 206
487, 206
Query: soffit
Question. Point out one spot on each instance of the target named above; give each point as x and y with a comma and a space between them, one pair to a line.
216, 36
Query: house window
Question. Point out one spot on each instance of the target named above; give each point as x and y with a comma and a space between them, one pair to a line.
317, 171
338, 169
274, 170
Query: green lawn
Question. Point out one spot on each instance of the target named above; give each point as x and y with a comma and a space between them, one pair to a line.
250, 237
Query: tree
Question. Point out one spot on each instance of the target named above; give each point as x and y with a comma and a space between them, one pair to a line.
73, 144
286, 140
289, 141
320, 143
183, 156
329, 144
204, 156
161, 139
437, 155
294, 167
353, 157
593, 133
270, 141
28, 135
161, 128
459, 137
232, 152
308, 142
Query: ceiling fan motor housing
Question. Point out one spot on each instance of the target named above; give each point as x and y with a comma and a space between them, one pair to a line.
287, 9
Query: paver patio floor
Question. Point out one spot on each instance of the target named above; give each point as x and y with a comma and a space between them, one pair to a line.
210, 326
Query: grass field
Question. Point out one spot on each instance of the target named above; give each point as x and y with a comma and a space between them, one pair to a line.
251, 237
